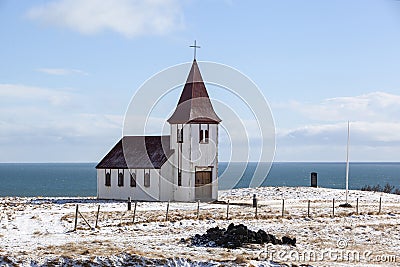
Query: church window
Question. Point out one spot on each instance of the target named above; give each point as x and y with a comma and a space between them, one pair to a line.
133, 178
108, 178
203, 133
179, 134
146, 178
121, 178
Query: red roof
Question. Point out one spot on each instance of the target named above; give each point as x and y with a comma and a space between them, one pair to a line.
194, 105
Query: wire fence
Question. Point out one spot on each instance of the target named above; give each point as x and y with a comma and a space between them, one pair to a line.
147, 212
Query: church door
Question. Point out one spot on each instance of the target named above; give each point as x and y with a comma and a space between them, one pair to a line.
203, 187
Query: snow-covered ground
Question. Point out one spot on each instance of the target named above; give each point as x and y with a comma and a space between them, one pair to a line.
38, 231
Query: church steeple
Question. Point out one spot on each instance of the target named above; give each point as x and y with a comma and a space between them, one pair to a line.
194, 105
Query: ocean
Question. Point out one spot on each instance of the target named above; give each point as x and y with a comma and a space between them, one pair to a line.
79, 179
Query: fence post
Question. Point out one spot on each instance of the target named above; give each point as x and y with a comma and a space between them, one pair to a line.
134, 212
380, 205
254, 201
227, 210
283, 207
76, 217
357, 206
97, 216
198, 209
308, 209
129, 203
333, 208
166, 215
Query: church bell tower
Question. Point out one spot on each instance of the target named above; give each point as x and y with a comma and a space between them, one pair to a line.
194, 138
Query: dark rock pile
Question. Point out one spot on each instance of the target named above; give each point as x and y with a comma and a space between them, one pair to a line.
237, 235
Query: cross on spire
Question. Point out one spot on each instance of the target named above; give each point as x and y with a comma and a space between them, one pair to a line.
195, 47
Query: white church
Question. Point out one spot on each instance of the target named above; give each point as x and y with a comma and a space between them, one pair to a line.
182, 166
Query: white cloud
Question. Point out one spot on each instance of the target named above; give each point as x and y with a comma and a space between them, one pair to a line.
28, 110
44, 124
20, 92
55, 71
130, 18
373, 106
321, 128
362, 133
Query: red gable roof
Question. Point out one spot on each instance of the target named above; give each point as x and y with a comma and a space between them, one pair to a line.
194, 105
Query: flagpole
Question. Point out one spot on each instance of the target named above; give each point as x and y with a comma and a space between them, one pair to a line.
347, 161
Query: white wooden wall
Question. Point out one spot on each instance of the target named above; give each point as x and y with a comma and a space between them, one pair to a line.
140, 192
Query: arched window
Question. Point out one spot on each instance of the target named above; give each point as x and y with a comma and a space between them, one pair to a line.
108, 178
133, 178
203, 133
179, 136
146, 178
121, 178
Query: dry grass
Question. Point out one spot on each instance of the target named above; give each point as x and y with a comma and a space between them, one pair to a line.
152, 237
241, 259
73, 250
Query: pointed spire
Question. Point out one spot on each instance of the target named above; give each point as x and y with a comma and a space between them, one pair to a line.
194, 105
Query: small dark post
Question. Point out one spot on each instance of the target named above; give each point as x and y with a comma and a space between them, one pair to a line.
283, 207
255, 204
227, 210
357, 206
198, 209
308, 208
254, 201
129, 203
380, 205
314, 180
166, 215
333, 208
134, 212
76, 217
97, 216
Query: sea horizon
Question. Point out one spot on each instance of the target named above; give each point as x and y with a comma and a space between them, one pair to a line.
79, 179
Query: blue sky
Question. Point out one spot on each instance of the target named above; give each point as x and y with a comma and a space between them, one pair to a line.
69, 68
